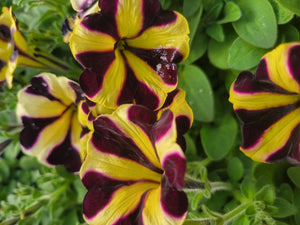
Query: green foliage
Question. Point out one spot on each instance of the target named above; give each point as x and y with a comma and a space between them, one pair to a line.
226, 37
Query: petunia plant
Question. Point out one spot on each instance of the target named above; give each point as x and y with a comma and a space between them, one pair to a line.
140, 122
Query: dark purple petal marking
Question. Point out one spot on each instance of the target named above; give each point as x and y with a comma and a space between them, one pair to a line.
109, 6
294, 62
289, 151
164, 17
146, 97
102, 22
247, 83
85, 107
255, 122
90, 82
129, 88
65, 154
174, 202
108, 138
261, 72
183, 124
32, 129
135, 217
163, 125
175, 166
78, 92
150, 9
2, 64
40, 87
170, 98
162, 61
142, 117
5, 33
67, 26
84, 131
96, 61
100, 191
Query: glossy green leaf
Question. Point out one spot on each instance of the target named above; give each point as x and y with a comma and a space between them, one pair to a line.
216, 32
248, 188
292, 5
199, 93
190, 7
243, 56
257, 25
193, 21
288, 33
294, 175
266, 194
283, 15
218, 139
218, 52
297, 204
214, 11
232, 13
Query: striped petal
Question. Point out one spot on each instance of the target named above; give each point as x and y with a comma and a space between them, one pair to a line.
268, 105
47, 109
126, 180
137, 44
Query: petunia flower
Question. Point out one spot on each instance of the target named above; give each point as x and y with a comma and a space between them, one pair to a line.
48, 111
268, 105
88, 111
14, 50
134, 169
130, 46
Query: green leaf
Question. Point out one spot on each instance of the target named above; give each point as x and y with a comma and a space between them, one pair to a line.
243, 56
29, 163
297, 205
4, 170
285, 208
288, 33
283, 15
199, 93
292, 5
241, 220
218, 52
198, 47
248, 188
293, 173
191, 150
71, 218
190, 7
232, 13
216, 32
214, 11
235, 169
218, 139
266, 194
193, 21
258, 24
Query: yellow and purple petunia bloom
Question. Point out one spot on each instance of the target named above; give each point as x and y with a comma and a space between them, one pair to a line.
134, 169
14, 50
88, 111
132, 47
47, 109
268, 105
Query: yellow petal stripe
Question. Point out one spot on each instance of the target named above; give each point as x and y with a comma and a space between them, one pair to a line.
129, 18
280, 131
174, 35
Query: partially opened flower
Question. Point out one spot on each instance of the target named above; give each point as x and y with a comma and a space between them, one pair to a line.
134, 169
48, 111
268, 105
130, 46
14, 50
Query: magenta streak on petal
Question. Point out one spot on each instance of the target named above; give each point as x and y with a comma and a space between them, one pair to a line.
173, 202
294, 63
33, 127
174, 166
255, 123
290, 150
163, 125
65, 154
108, 138
100, 192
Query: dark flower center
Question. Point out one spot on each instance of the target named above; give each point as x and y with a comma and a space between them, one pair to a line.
121, 45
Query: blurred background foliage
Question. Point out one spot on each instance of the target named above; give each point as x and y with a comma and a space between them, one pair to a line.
226, 37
